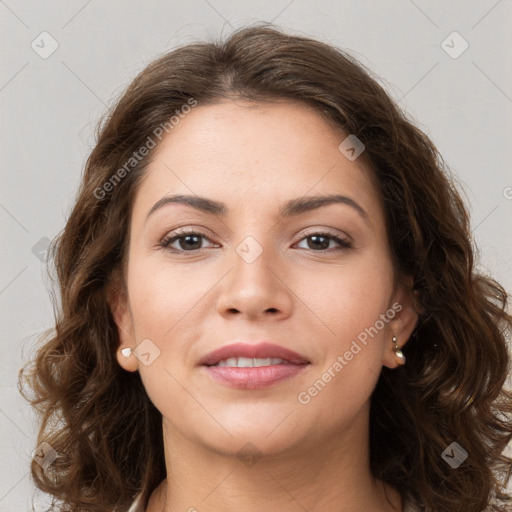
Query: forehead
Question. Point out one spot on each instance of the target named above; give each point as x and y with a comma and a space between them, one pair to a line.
248, 152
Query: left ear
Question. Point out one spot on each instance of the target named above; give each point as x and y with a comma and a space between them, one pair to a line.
403, 323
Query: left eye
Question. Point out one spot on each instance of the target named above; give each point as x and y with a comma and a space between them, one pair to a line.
322, 241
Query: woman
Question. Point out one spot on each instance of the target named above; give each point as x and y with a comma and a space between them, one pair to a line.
268, 301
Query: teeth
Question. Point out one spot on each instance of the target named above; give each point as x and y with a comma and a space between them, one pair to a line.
248, 362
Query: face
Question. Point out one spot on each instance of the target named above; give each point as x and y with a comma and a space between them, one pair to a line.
259, 259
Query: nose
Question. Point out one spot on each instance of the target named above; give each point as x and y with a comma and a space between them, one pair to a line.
255, 289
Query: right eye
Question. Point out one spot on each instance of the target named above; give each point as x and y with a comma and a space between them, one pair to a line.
187, 241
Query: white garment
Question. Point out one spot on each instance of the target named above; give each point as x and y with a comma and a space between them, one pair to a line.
137, 506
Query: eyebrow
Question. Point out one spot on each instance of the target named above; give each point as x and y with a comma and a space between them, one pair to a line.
288, 209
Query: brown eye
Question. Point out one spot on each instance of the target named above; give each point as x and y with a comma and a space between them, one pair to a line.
323, 241
187, 241
318, 242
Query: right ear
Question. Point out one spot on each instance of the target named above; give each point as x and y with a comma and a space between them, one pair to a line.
117, 298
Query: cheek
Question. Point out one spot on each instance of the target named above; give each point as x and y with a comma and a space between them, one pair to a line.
162, 302
351, 297
353, 304
351, 355
169, 308
162, 297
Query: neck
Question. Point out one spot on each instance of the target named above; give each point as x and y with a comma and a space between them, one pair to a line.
330, 475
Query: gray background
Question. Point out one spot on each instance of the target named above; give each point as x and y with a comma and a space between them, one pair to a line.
50, 107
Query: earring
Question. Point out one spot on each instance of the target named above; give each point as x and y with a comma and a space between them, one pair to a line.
127, 352
400, 358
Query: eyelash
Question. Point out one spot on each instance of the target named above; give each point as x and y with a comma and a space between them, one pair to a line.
168, 240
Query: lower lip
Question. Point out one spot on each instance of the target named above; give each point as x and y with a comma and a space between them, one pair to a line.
254, 378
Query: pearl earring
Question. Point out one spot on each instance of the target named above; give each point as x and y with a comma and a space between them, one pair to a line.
400, 358
127, 352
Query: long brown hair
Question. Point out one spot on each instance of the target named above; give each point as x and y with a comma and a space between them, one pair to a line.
98, 417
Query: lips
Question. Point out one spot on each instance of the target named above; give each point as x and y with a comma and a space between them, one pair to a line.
253, 367
262, 350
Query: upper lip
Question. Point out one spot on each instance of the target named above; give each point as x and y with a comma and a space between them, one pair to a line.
262, 350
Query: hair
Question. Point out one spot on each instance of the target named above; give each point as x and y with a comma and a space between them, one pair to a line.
98, 417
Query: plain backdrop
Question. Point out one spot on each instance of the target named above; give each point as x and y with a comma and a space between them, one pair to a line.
64, 62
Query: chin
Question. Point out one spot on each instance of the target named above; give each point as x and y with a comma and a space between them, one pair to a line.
253, 445
267, 431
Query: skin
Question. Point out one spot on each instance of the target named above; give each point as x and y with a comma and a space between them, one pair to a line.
253, 158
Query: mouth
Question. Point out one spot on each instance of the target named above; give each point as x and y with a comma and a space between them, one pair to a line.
246, 366
248, 362
245, 355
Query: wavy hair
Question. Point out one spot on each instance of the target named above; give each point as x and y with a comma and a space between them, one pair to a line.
98, 417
